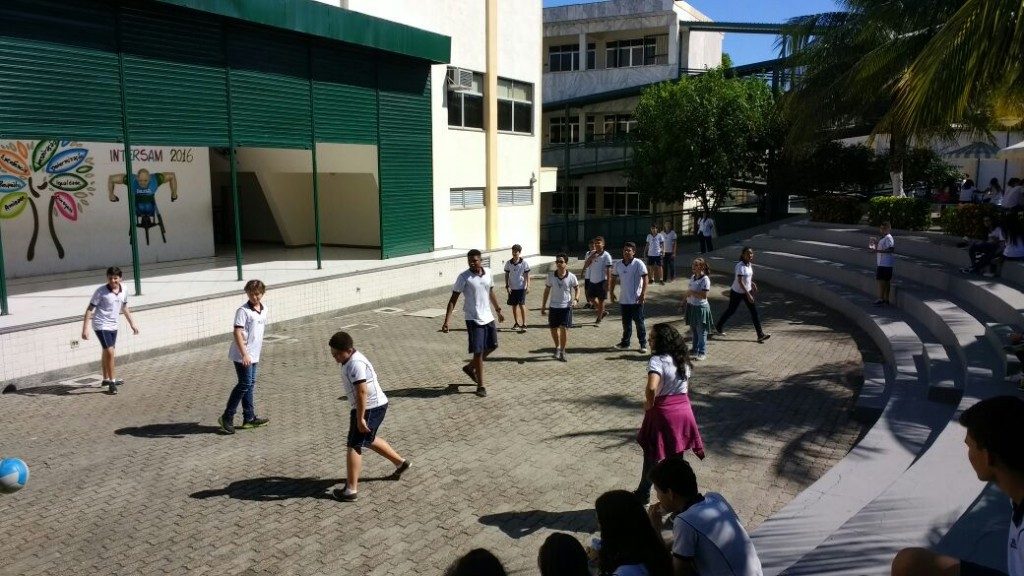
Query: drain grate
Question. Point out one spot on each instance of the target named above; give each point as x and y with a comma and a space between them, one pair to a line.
388, 310
360, 326
428, 313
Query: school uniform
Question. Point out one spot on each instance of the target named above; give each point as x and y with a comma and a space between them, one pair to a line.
480, 325
655, 249
698, 314
107, 306
669, 259
705, 233
253, 322
517, 272
560, 298
358, 371
631, 277
596, 276
742, 284
885, 260
710, 533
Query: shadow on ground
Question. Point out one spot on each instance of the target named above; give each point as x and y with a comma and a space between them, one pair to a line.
520, 524
169, 430
274, 488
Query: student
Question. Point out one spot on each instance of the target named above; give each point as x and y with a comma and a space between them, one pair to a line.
476, 562
705, 233
698, 311
369, 405
982, 253
743, 290
517, 284
597, 273
707, 537
968, 192
108, 302
884, 249
564, 290
1012, 196
632, 274
246, 345
654, 247
669, 427
994, 451
583, 274
480, 327
670, 252
562, 555
629, 544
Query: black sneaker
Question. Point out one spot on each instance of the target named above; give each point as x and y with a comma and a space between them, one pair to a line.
481, 391
397, 474
255, 423
119, 382
622, 345
763, 337
226, 426
341, 496
112, 387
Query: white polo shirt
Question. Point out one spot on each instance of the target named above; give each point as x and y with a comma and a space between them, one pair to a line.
107, 306
711, 534
517, 272
561, 289
672, 382
885, 258
706, 227
631, 277
598, 269
655, 244
358, 368
670, 241
743, 277
253, 324
702, 284
477, 292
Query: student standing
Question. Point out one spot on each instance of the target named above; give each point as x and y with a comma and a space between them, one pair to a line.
517, 284
698, 310
480, 326
705, 233
669, 259
597, 273
246, 345
884, 249
632, 274
583, 274
369, 405
107, 304
654, 247
564, 290
669, 427
743, 290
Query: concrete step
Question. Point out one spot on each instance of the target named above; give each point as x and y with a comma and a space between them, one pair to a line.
942, 374
857, 237
998, 336
874, 393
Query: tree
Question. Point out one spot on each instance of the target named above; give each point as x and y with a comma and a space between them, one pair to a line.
696, 135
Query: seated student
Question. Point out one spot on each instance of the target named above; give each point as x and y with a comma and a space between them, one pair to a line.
707, 537
562, 555
629, 545
982, 253
476, 562
968, 192
994, 451
1014, 232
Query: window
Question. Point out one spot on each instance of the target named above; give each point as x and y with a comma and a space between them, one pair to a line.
619, 201
591, 56
465, 105
515, 106
588, 129
591, 199
618, 125
461, 198
515, 195
561, 127
656, 49
645, 51
566, 58
569, 200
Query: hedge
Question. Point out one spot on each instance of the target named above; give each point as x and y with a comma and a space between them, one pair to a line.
901, 212
967, 220
841, 209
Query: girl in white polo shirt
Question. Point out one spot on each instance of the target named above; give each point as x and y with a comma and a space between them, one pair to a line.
743, 290
698, 311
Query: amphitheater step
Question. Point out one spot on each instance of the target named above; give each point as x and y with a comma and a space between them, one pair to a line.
874, 393
942, 375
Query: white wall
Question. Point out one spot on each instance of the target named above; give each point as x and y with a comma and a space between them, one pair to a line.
92, 229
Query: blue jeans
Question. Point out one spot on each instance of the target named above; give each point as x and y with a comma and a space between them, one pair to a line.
633, 314
243, 392
670, 267
700, 340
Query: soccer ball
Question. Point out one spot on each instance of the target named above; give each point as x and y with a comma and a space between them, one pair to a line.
13, 475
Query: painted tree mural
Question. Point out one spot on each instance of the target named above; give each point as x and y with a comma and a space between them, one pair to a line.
58, 172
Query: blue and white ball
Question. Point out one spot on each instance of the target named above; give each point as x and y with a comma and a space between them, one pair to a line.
13, 475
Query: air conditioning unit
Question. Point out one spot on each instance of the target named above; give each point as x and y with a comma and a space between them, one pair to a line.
460, 79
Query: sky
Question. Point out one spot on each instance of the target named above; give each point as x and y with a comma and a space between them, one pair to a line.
746, 48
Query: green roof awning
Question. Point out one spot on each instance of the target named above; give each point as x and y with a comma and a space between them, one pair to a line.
317, 19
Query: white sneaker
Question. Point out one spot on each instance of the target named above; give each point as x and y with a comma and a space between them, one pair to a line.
644, 350
561, 356
557, 354
701, 357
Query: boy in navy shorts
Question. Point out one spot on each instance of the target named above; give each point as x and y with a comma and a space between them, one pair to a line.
517, 284
480, 326
107, 304
564, 289
369, 405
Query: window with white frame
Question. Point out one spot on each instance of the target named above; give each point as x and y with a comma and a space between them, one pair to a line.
618, 125
645, 51
515, 195
461, 198
515, 106
465, 99
560, 128
566, 57
620, 201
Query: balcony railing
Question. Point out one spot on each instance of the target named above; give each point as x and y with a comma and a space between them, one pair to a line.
589, 157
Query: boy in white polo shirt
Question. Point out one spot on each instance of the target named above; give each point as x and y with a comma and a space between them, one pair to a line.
632, 274
669, 259
654, 247
246, 346
597, 272
517, 284
884, 249
480, 326
369, 405
107, 304
564, 289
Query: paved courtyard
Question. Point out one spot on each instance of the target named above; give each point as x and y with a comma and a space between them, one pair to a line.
142, 483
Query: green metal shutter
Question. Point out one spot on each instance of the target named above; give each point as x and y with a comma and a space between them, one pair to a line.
405, 148
344, 96
59, 70
270, 101
175, 79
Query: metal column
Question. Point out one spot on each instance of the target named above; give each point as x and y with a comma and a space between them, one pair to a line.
129, 176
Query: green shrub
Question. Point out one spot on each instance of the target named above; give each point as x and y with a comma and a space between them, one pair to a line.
968, 220
901, 212
841, 209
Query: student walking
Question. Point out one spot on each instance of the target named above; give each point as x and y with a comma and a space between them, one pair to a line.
246, 345
698, 310
107, 304
517, 285
654, 248
706, 232
369, 405
480, 326
669, 426
632, 274
669, 260
884, 248
564, 290
743, 290
597, 274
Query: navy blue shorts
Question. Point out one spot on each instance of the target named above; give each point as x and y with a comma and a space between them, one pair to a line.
972, 569
359, 440
558, 317
883, 273
482, 338
107, 338
654, 260
597, 290
517, 297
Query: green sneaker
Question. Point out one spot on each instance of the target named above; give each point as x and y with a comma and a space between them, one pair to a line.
254, 423
226, 426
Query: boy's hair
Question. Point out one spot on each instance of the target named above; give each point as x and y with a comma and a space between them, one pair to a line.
563, 256
885, 224
255, 287
675, 474
114, 271
473, 252
562, 555
994, 423
630, 245
476, 562
598, 239
517, 248
341, 341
